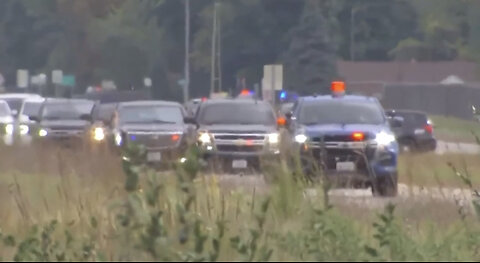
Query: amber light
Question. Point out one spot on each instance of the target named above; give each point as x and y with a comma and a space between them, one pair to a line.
175, 137
338, 87
358, 136
281, 121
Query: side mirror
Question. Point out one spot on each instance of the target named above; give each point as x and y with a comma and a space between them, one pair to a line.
190, 120
289, 115
396, 122
34, 118
86, 117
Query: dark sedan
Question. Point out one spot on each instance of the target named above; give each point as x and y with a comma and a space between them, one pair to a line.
416, 133
157, 125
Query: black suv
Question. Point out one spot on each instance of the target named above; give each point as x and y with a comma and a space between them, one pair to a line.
157, 125
237, 134
65, 121
416, 133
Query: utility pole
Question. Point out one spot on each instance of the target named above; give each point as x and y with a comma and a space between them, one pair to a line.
352, 18
219, 55
186, 87
214, 40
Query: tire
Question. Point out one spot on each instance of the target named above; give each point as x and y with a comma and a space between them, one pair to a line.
408, 146
386, 186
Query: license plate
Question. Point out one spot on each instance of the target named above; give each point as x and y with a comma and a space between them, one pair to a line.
419, 131
346, 166
154, 156
239, 164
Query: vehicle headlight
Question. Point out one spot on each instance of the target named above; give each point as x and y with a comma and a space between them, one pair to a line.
24, 129
98, 134
301, 138
205, 138
42, 133
273, 138
118, 139
384, 138
9, 129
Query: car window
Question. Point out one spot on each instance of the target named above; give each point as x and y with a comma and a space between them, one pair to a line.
4, 109
14, 103
340, 112
237, 113
31, 108
104, 112
413, 119
150, 114
66, 110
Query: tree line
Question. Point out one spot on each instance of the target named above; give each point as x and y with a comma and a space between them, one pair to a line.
126, 40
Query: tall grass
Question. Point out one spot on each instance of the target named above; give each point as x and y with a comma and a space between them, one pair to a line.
93, 207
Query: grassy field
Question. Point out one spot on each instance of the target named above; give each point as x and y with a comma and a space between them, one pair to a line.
81, 206
455, 130
439, 170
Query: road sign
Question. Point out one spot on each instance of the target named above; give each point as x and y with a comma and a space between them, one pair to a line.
22, 78
273, 75
68, 80
182, 82
147, 82
57, 77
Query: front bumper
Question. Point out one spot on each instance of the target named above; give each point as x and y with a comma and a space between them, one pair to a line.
365, 165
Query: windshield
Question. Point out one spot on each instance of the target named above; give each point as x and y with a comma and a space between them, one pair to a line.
66, 110
151, 114
336, 112
4, 110
31, 108
14, 103
228, 113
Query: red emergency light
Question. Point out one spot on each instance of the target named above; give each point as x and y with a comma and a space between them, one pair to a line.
358, 136
338, 87
245, 92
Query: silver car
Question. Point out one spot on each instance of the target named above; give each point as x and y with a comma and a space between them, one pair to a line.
6, 123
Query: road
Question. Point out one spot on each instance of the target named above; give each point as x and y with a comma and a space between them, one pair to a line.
364, 198
463, 148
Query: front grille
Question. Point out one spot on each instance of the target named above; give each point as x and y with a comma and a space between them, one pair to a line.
153, 140
65, 128
65, 132
332, 156
239, 148
338, 138
239, 136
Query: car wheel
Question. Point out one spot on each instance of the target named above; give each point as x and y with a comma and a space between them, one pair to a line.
386, 186
407, 146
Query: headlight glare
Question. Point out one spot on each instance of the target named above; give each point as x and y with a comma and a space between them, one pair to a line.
24, 129
205, 138
118, 139
301, 138
273, 138
42, 133
98, 134
384, 138
9, 129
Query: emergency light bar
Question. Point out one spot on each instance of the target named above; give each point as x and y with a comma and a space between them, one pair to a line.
338, 88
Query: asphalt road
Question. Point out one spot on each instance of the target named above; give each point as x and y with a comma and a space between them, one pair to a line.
463, 148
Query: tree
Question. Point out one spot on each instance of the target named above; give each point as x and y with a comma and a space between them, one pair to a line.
310, 60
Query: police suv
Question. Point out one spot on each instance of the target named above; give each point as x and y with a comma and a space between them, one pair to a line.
347, 138
237, 134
